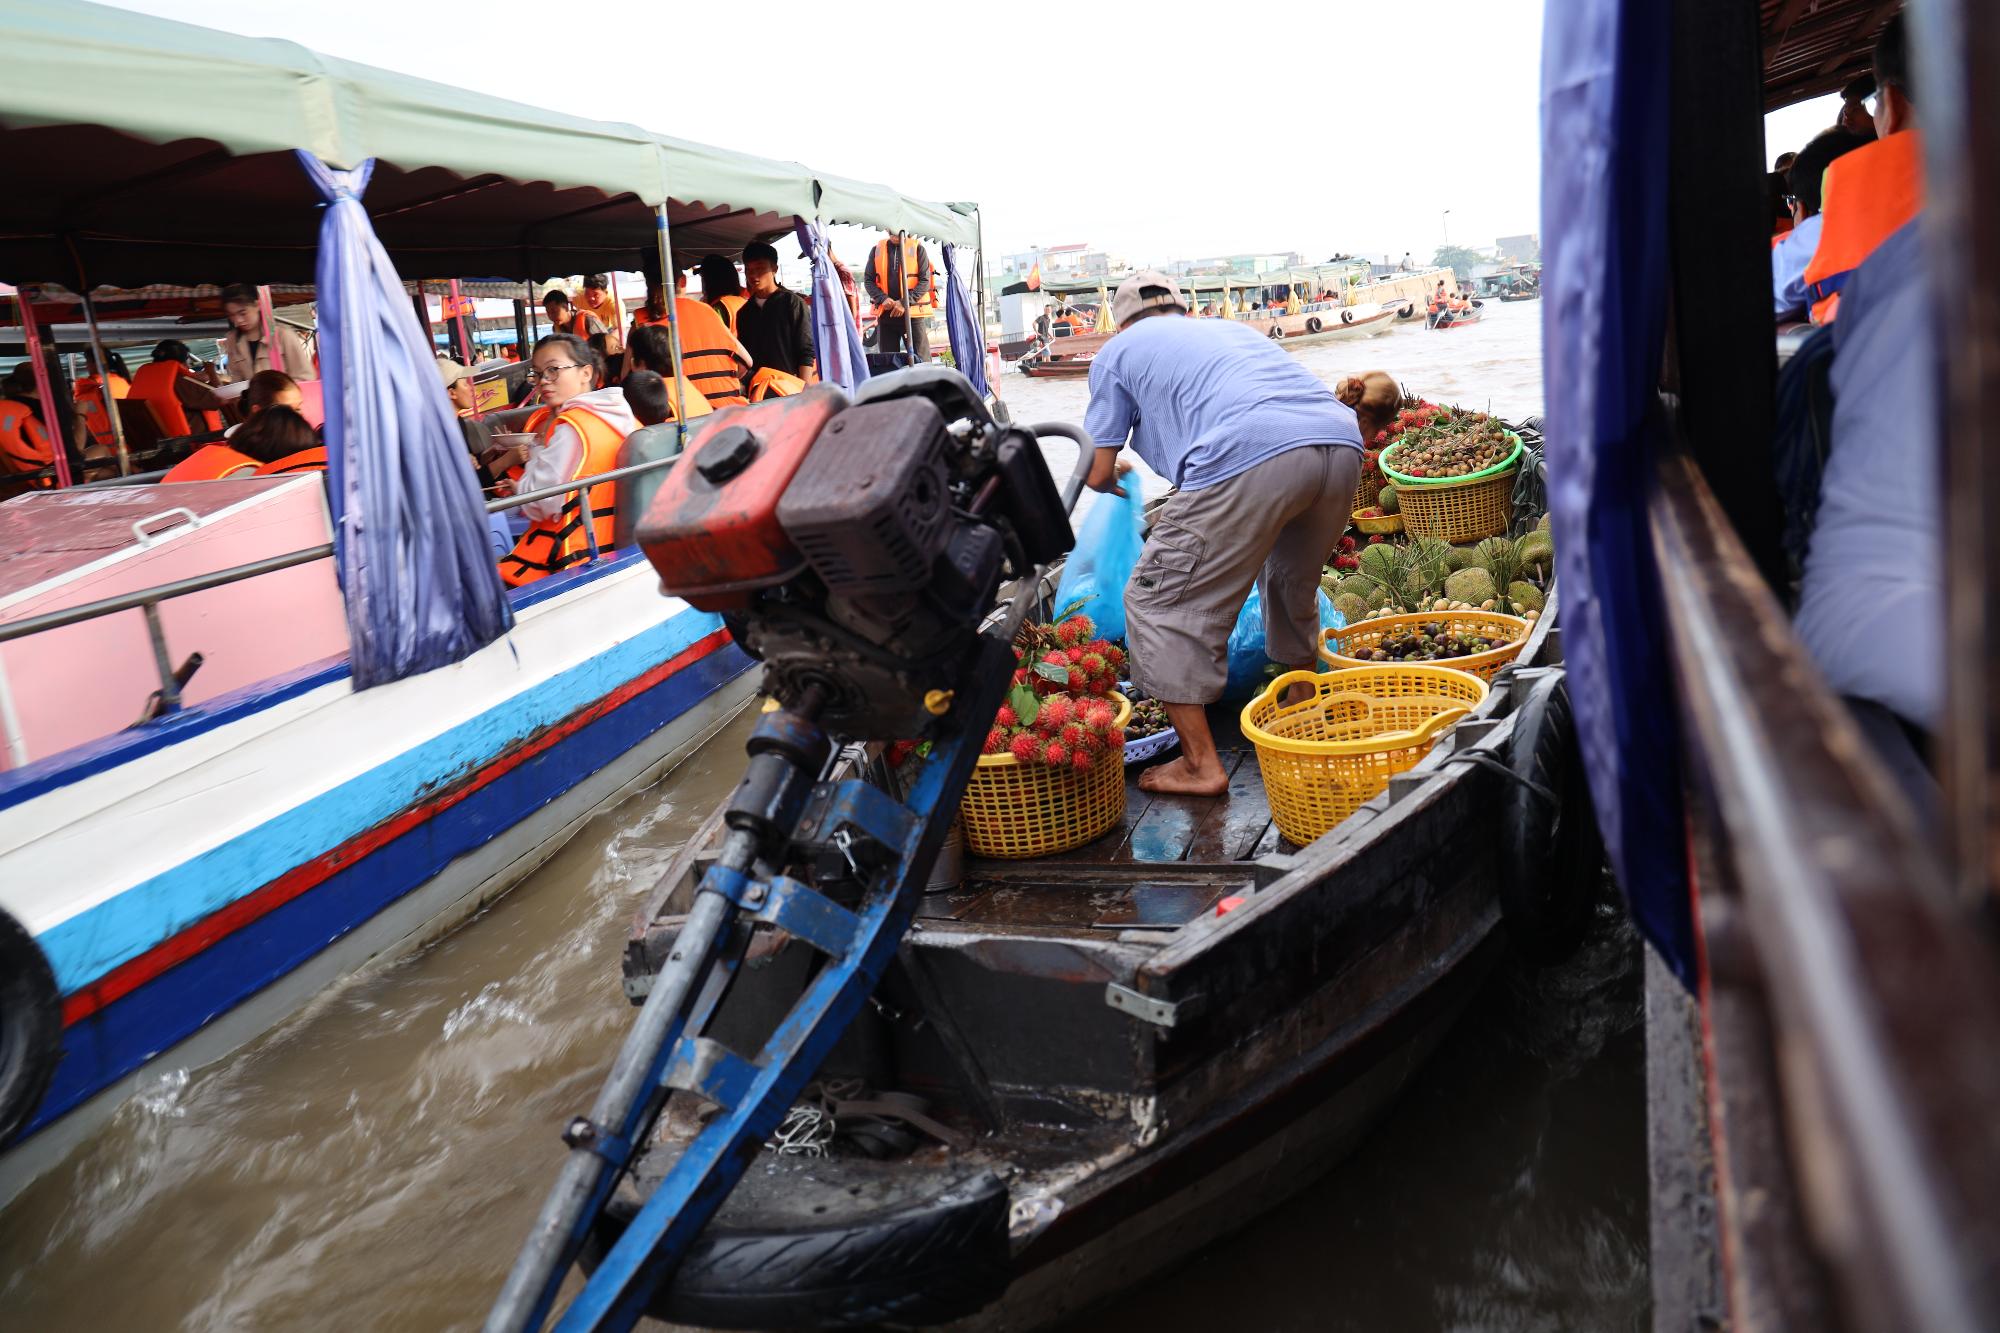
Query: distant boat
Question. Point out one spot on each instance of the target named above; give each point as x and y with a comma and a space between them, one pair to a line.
1321, 324
1063, 358
1452, 319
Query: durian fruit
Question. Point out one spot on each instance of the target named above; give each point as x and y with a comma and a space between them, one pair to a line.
1353, 585
1543, 524
1388, 502
1526, 597
1380, 561
1352, 609
1537, 551
1379, 599
1472, 585
1460, 558
1329, 583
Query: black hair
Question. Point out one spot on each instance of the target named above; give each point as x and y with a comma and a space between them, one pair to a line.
761, 250
580, 351
1859, 88
264, 388
1892, 58
556, 297
172, 349
596, 280
274, 433
1784, 163
718, 278
239, 291
646, 395
117, 364
20, 381
1826, 147
652, 349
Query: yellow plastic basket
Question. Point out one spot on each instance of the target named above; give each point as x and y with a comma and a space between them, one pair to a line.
1459, 511
1385, 525
1336, 644
1012, 809
1325, 758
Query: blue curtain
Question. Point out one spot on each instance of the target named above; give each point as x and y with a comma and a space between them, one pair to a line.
968, 345
410, 535
836, 340
1604, 302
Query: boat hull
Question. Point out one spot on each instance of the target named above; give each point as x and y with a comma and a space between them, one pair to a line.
384, 816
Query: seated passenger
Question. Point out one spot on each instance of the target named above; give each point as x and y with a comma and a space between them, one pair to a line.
1870, 193
713, 360
24, 439
652, 349
282, 441
1794, 249
213, 462
566, 318
721, 288
169, 386
647, 395
577, 434
90, 399
596, 301
267, 388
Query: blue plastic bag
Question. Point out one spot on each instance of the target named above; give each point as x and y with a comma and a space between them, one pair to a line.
1107, 551
1247, 659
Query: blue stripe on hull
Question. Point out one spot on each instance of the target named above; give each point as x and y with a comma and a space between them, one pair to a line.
121, 1037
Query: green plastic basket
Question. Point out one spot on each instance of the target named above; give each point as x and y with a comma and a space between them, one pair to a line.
1382, 461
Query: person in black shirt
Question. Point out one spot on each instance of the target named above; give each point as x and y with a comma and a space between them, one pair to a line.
776, 326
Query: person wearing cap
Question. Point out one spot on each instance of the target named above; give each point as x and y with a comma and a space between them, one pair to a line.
458, 387
1264, 459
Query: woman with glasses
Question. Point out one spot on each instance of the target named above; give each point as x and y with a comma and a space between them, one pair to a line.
576, 433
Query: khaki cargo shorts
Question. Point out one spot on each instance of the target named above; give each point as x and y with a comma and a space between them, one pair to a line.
1272, 526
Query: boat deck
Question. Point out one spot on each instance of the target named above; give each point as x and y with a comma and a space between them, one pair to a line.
1170, 858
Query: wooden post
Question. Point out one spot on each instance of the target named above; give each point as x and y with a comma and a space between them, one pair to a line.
1953, 45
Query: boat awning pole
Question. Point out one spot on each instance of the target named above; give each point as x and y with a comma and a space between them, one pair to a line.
458, 303
270, 330
673, 320
104, 387
31, 336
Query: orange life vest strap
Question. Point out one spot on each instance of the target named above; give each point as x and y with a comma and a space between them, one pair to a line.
305, 460
1869, 195
552, 545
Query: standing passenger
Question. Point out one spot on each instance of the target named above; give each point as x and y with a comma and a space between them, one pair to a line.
900, 269
243, 346
595, 301
776, 329
721, 290
714, 360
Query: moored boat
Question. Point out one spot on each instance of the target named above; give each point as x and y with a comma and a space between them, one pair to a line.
173, 885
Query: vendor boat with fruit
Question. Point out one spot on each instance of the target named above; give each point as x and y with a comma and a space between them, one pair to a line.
1120, 1025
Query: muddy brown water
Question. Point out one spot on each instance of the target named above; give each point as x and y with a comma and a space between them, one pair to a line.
373, 1162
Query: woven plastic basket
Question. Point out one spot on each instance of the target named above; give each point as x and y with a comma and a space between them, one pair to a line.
1368, 490
1012, 809
1336, 644
1402, 479
1457, 509
1325, 758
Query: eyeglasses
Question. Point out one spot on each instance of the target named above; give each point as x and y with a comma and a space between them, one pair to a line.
1791, 199
550, 372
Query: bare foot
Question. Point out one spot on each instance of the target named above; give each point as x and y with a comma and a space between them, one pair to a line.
1180, 778
1300, 693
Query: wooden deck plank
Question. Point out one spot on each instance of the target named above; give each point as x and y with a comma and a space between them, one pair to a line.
1236, 821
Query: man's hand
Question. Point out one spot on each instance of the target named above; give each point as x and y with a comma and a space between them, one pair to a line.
892, 309
1105, 469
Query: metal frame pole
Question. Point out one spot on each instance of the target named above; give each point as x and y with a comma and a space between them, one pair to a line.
902, 258
664, 232
465, 347
270, 332
32, 338
104, 387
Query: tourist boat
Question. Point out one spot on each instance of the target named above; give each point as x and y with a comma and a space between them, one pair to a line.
1062, 358
1822, 1000
1106, 1059
203, 818
1454, 319
1322, 323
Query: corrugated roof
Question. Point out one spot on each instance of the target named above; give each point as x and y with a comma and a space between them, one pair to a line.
1812, 47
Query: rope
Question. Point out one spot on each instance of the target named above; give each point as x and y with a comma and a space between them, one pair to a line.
1488, 761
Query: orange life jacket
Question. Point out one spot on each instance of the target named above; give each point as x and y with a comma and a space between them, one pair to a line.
153, 384
1867, 196
90, 405
607, 314
305, 460
212, 462
768, 383
24, 445
920, 306
551, 545
729, 307
709, 353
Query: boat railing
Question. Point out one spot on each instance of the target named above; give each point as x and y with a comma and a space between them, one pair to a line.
148, 600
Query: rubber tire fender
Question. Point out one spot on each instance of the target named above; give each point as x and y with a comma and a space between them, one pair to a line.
30, 1027
1277, 332
1347, 316
1551, 858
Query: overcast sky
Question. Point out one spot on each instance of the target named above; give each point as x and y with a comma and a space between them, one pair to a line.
1154, 131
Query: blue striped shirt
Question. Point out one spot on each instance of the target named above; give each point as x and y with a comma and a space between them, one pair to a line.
1202, 400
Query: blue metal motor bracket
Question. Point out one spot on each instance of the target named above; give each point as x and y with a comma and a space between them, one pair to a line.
886, 846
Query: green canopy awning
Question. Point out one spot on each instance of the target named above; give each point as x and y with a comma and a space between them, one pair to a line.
142, 150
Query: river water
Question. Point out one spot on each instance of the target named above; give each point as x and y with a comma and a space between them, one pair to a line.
374, 1162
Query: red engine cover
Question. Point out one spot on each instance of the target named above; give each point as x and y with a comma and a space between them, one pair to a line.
712, 530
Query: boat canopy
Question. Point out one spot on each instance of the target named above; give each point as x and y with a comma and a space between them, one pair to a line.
144, 150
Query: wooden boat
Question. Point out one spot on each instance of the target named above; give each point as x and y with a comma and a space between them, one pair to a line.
1452, 319
1107, 1059
1521, 294
1063, 358
1323, 324
1822, 978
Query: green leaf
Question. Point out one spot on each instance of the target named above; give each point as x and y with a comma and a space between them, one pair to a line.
1026, 705
1055, 675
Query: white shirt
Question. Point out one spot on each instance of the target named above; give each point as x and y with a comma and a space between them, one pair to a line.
1789, 258
555, 460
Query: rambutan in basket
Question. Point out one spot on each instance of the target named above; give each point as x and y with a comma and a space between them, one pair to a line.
1014, 810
